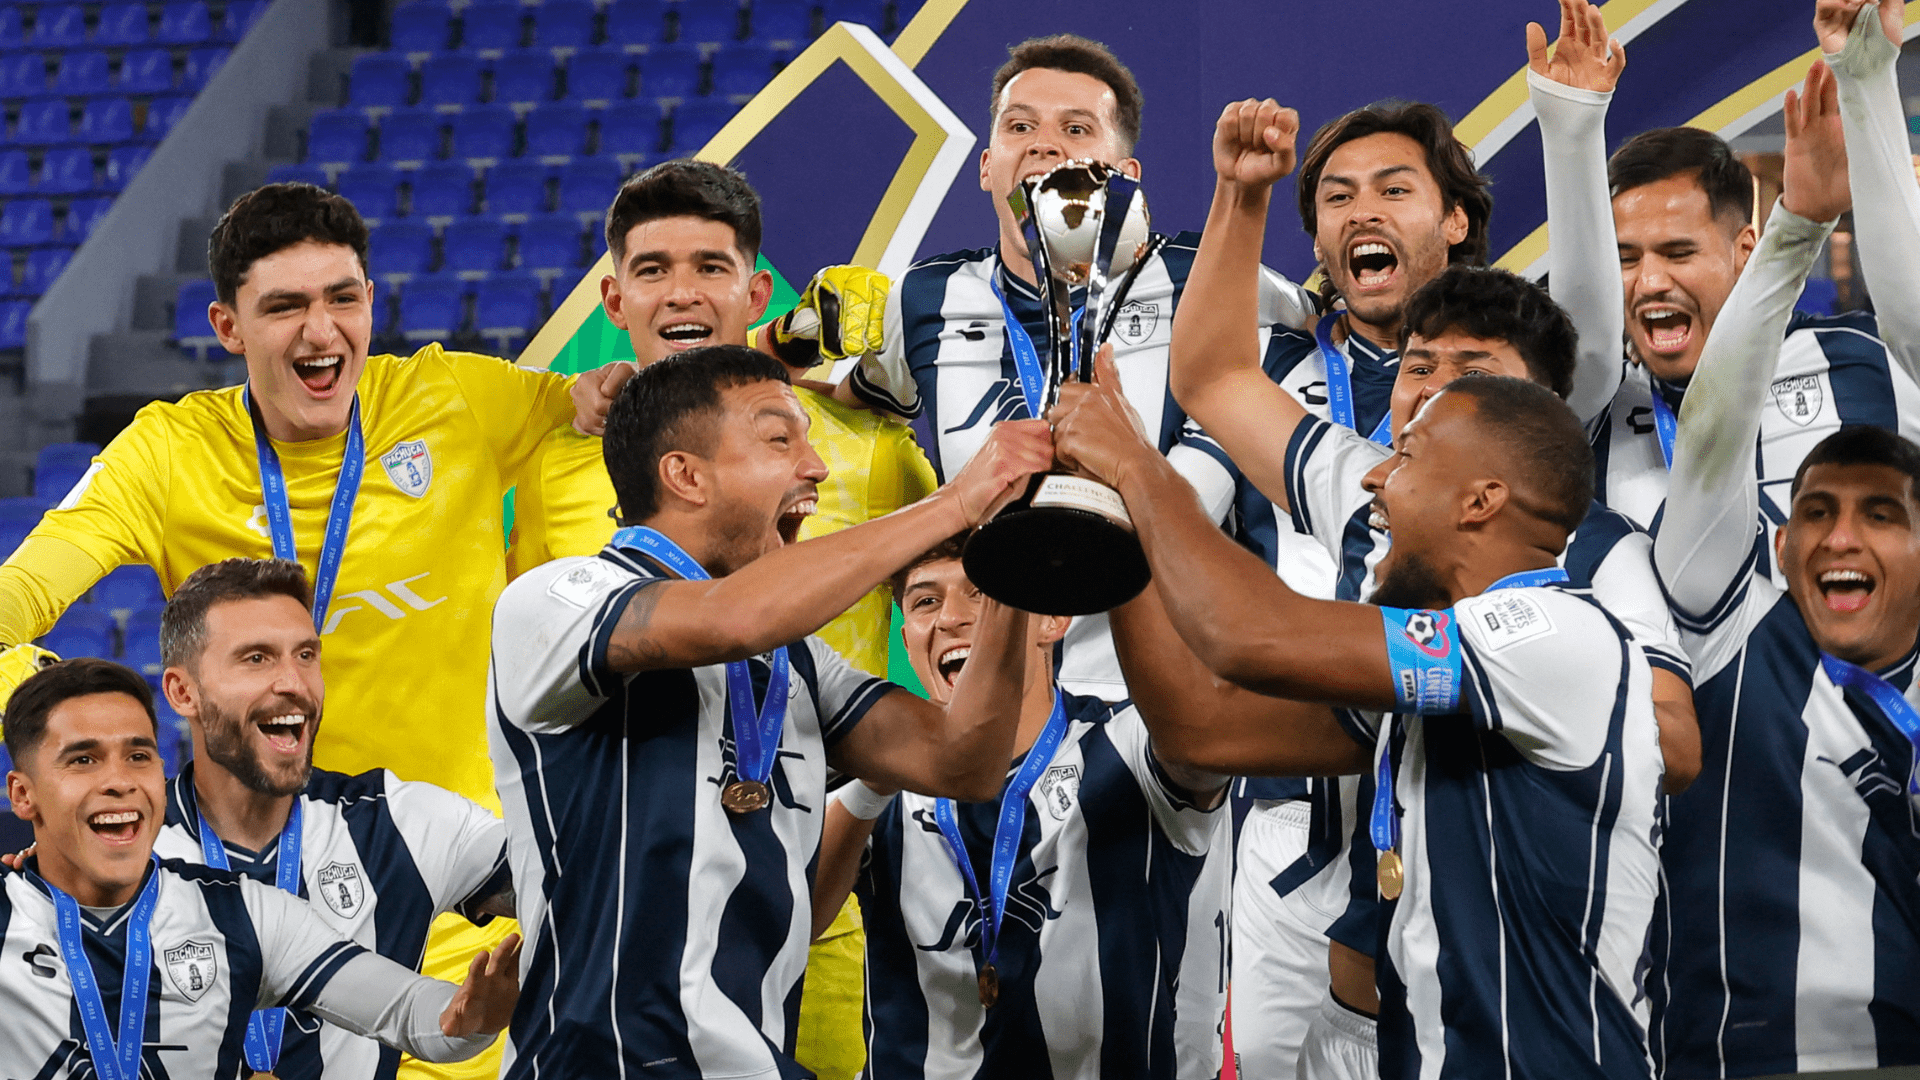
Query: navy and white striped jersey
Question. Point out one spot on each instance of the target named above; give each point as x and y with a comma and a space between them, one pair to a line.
222, 946
666, 937
1789, 936
1112, 952
380, 859
1527, 824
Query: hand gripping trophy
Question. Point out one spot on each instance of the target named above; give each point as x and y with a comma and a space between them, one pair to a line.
1067, 547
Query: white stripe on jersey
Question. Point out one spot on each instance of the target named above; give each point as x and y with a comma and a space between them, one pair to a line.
1115, 869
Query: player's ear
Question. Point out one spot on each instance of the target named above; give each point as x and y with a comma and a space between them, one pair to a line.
759, 295
1483, 500
611, 299
1048, 629
1780, 546
1743, 244
1129, 166
986, 163
180, 693
226, 328
682, 475
20, 794
1456, 226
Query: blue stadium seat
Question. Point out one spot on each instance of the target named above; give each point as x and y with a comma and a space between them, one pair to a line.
83, 71
338, 135
164, 112
506, 309
190, 329
380, 81
43, 121
483, 134
22, 510
240, 17
636, 23
124, 163
596, 242
142, 654
630, 129
474, 247
550, 244
870, 13
422, 26
127, 589
26, 222
587, 186
671, 71
146, 71
60, 466
411, 134
13, 335
598, 75
67, 170
82, 630
708, 22
516, 189
11, 34
696, 122
783, 21
185, 22
523, 77
305, 174
83, 215
1818, 297
556, 129
563, 24
374, 190
399, 249
431, 308
443, 189
492, 24
450, 79
22, 74
16, 173
740, 71
203, 65
106, 120
44, 266
17, 516
60, 26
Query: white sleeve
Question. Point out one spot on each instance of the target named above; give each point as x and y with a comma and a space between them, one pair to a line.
1625, 585
1713, 495
842, 692
1886, 198
458, 846
1325, 464
1583, 257
1285, 303
882, 379
551, 627
1185, 825
1543, 669
1207, 467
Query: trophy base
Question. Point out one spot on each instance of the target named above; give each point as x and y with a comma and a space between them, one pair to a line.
1066, 549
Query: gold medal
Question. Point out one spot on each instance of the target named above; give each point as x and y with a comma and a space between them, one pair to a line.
989, 986
1392, 875
744, 796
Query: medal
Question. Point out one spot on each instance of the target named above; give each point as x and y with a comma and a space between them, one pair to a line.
989, 987
744, 796
1392, 875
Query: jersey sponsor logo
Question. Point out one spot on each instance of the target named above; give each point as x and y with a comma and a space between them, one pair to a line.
79, 487
1428, 632
1870, 775
192, 967
583, 585
1058, 790
1799, 398
43, 959
1002, 401
343, 888
377, 599
257, 521
409, 466
1510, 618
1136, 321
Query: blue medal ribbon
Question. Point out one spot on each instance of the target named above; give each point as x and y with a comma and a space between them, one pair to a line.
1383, 826
1006, 834
1665, 425
756, 734
273, 488
111, 1060
266, 1026
1026, 356
1897, 709
1340, 384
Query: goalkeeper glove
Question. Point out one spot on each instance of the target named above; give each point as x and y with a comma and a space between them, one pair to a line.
841, 313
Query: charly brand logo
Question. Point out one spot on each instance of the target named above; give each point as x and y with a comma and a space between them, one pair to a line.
409, 466
342, 887
193, 968
377, 599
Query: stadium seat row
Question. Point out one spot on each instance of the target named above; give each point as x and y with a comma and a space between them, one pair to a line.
506, 307
140, 71
490, 133
41, 266
102, 121
511, 190
388, 80
32, 222
487, 25
180, 22
71, 170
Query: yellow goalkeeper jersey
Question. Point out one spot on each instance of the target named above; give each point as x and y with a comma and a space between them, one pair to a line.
405, 642
874, 467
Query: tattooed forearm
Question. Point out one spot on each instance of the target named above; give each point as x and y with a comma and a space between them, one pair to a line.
632, 647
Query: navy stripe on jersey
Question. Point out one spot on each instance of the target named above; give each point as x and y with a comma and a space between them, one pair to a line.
1861, 378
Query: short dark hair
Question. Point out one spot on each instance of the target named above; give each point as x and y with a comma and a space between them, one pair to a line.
1081, 56
273, 218
1863, 444
1448, 159
1542, 437
686, 188
951, 548
671, 405
1488, 303
183, 625
1653, 156
36, 697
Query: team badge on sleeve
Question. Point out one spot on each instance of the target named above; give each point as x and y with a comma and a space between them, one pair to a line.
342, 887
409, 466
192, 967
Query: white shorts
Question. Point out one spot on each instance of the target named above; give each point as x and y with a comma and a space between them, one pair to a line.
1341, 1045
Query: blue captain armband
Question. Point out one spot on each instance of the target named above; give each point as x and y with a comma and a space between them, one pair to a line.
1423, 649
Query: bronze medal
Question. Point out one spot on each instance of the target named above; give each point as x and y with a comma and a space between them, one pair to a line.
989, 986
1392, 875
744, 796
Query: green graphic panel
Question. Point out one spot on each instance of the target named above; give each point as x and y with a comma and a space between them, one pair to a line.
599, 342
899, 670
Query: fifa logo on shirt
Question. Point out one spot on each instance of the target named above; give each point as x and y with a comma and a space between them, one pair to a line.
192, 967
342, 887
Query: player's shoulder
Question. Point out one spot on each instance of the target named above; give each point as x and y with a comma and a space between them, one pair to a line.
947, 263
578, 581
1858, 323
201, 413
343, 789
1086, 709
205, 878
1536, 616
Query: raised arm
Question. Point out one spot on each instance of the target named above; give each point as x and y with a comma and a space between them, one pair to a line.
1861, 40
848, 824
1213, 364
793, 591
1713, 496
1570, 91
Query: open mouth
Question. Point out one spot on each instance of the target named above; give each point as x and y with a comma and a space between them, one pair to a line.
284, 733
794, 517
686, 335
119, 826
1668, 330
1377, 518
319, 373
951, 662
1372, 264
1845, 591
